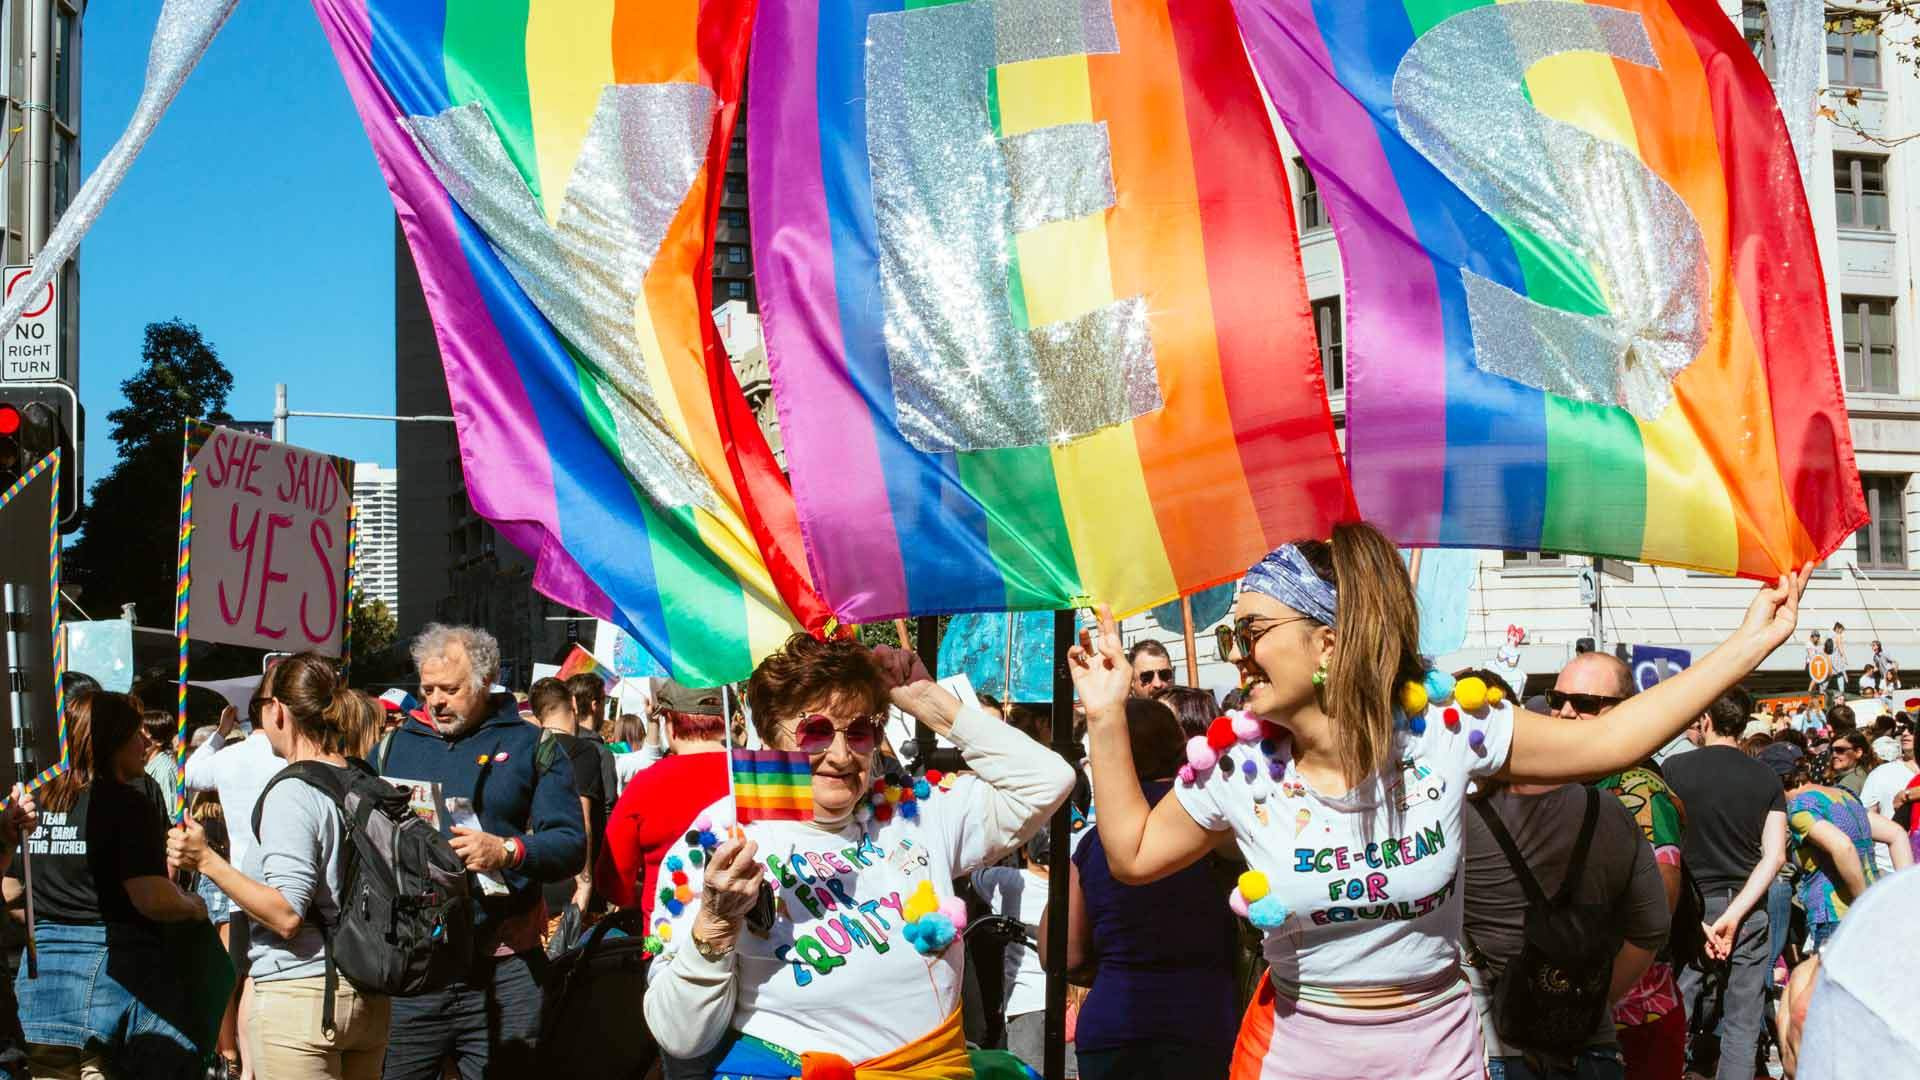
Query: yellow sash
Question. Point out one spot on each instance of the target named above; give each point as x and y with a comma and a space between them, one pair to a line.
940, 1054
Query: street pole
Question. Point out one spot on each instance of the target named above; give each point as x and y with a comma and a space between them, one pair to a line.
39, 110
280, 412
1059, 849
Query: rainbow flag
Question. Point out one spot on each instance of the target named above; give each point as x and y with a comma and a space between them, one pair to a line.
554, 166
1036, 326
771, 785
582, 662
1584, 301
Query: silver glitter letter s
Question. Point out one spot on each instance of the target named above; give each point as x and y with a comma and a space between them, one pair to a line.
1460, 92
949, 201
644, 148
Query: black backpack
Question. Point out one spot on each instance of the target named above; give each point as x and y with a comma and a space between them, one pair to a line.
405, 924
1552, 996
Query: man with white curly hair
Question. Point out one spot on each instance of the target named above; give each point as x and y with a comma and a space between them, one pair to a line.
473, 743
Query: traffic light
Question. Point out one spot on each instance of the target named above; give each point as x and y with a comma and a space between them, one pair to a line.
35, 420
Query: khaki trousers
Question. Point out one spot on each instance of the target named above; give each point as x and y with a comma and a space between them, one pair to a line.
285, 1040
64, 1063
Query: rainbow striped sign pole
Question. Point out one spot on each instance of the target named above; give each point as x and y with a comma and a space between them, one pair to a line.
49, 464
183, 580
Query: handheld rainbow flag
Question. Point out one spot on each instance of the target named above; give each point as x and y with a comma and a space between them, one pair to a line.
771, 785
1036, 326
1585, 301
582, 662
553, 163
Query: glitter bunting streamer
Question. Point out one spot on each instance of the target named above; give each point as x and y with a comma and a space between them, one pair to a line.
183, 580
1007, 257
557, 178
1584, 302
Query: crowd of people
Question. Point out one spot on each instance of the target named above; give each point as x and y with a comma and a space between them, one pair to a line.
1354, 866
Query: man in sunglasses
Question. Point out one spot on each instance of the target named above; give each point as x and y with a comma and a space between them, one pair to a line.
1650, 1022
1152, 668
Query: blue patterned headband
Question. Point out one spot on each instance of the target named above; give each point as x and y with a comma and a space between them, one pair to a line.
1285, 575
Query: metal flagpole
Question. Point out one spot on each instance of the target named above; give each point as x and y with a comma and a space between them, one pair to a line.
1058, 852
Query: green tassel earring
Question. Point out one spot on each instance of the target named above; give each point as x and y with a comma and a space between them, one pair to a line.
1320, 676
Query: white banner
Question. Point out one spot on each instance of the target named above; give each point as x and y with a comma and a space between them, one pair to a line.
269, 558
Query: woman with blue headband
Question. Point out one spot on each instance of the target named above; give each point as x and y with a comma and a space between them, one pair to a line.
1343, 784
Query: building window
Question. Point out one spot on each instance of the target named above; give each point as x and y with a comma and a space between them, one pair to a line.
1860, 191
1882, 545
1521, 560
737, 253
1753, 20
1312, 214
1853, 57
1867, 345
1327, 330
65, 25
66, 162
736, 184
736, 290
737, 219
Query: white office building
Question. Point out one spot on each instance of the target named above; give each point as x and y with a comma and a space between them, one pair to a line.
1865, 201
376, 493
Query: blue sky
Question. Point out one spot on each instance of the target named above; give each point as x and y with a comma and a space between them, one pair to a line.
256, 212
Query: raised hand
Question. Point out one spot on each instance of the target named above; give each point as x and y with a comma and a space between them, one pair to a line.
21, 818
186, 846
1774, 615
1101, 674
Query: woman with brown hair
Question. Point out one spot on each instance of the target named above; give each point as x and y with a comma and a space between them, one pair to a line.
291, 886
849, 960
106, 1001
1344, 786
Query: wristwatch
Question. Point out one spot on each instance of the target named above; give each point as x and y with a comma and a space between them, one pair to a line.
516, 851
710, 951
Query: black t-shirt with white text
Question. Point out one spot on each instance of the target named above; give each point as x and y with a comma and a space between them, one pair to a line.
82, 857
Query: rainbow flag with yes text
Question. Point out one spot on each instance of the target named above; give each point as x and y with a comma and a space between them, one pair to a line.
1584, 300
1034, 317
554, 164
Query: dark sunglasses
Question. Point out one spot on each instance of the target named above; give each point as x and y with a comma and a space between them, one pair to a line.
1582, 703
814, 734
1148, 678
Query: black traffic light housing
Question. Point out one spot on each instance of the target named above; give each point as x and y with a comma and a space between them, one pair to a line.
35, 420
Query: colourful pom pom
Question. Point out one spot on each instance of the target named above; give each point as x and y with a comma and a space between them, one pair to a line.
910, 811
666, 893
1187, 775
679, 877
946, 781
704, 822
674, 863
933, 776
696, 856
922, 789
883, 813
1439, 687
1451, 717
1417, 723
1220, 733
693, 837
955, 909
936, 933
1478, 740
1276, 770
1495, 696
913, 931
1249, 768
893, 792
663, 930
1246, 727
674, 907
1413, 699
683, 893
708, 840
1267, 746
653, 944
879, 784
1200, 754
1238, 903
1267, 913
1471, 693
1253, 885
1226, 764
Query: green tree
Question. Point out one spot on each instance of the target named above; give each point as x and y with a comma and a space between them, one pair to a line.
373, 628
126, 549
